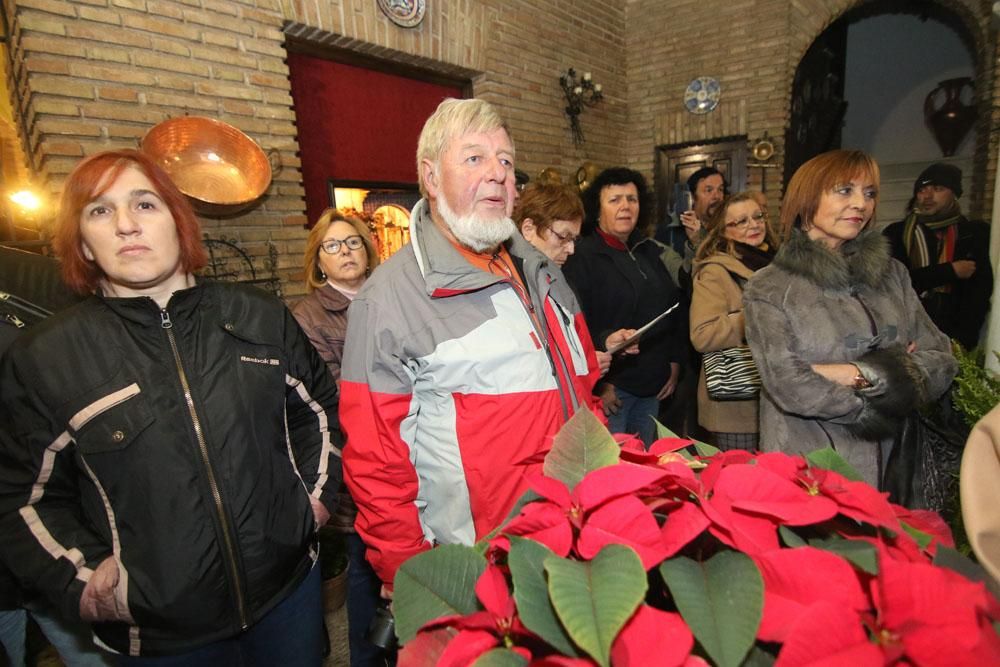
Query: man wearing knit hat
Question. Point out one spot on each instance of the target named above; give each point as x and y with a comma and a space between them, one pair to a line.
946, 253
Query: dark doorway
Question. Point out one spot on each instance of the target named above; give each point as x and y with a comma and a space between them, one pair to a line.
675, 163
862, 85
818, 105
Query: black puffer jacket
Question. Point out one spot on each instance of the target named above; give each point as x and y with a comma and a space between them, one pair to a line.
184, 442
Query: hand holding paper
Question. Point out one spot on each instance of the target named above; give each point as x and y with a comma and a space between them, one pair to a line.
614, 347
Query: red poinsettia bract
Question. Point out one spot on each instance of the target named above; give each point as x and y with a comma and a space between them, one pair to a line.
919, 615
481, 631
603, 509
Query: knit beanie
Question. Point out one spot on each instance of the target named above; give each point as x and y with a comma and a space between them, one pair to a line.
940, 173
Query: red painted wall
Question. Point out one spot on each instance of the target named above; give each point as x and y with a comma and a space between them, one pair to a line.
357, 124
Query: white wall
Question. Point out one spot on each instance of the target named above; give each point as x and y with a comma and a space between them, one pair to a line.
893, 62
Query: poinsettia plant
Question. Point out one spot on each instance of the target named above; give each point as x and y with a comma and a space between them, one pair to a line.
685, 555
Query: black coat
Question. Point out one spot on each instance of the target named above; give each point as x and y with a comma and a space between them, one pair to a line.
184, 441
960, 313
626, 289
33, 283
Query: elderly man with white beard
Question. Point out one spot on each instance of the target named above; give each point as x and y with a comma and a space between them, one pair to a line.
466, 352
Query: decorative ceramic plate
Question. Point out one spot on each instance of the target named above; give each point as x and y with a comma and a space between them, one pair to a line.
405, 13
702, 95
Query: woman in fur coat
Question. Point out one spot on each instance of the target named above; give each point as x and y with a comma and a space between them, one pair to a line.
844, 348
739, 242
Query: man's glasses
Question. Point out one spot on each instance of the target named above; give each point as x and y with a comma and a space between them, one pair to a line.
745, 221
564, 239
332, 247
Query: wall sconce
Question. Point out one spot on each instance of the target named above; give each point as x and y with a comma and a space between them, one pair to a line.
580, 93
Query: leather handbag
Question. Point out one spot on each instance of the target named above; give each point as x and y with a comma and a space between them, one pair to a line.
731, 374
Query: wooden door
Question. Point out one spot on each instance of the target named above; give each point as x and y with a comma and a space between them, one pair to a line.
674, 164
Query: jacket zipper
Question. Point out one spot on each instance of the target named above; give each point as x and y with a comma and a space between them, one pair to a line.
636, 262
167, 326
537, 325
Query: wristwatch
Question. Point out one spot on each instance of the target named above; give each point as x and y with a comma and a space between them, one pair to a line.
860, 381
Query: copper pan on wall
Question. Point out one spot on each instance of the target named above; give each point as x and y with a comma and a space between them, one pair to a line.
218, 167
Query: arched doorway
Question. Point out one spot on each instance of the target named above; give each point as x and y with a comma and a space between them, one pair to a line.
862, 84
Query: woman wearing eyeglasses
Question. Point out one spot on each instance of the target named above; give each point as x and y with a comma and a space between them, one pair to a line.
339, 257
549, 218
738, 242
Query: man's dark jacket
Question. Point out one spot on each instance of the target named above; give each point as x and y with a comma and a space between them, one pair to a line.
961, 312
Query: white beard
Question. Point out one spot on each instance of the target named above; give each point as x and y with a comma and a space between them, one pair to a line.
473, 231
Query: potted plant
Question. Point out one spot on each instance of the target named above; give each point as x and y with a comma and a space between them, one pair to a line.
684, 555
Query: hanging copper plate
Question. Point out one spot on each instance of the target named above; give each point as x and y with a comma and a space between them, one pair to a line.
209, 161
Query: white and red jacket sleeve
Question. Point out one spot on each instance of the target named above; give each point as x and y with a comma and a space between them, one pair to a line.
375, 408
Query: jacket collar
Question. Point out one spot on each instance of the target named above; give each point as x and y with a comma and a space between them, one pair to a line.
143, 310
863, 260
612, 242
726, 261
444, 269
331, 298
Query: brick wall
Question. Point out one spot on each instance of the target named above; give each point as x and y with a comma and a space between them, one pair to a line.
753, 47
96, 74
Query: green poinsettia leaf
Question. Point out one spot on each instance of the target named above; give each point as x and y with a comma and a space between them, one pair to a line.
860, 554
758, 657
790, 538
721, 600
830, 460
500, 657
956, 561
531, 593
923, 539
705, 449
662, 431
594, 599
435, 583
582, 445
702, 448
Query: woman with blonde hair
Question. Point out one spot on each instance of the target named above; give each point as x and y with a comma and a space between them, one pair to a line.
844, 349
339, 257
738, 243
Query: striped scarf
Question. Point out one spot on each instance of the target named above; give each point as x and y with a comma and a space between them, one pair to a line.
916, 241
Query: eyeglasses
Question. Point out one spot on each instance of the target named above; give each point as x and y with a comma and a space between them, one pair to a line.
564, 239
745, 221
332, 247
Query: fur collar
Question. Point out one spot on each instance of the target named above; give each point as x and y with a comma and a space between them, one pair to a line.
863, 260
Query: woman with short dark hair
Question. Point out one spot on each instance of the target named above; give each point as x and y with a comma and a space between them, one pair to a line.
622, 284
844, 349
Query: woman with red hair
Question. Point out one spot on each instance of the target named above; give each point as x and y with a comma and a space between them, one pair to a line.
844, 349
169, 444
